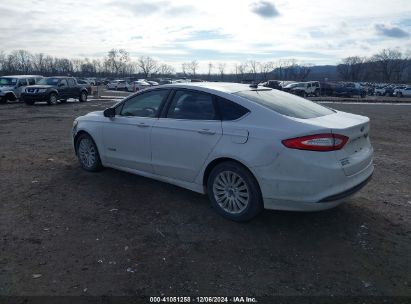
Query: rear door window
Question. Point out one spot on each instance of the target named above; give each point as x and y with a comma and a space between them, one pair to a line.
71, 82
192, 105
22, 82
286, 104
230, 110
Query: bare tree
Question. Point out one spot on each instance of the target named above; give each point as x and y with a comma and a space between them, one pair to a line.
184, 67
2, 60
116, 59
254, 66
166, 69
221, 68
351, 68
193, 66
390, 64
23, 61
265, 69
147, 65
301, 71
210, 67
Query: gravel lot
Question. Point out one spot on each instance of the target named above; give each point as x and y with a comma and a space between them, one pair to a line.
68, 232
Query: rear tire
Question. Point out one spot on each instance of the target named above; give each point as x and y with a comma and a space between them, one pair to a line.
234, 192
83, 97
87, 153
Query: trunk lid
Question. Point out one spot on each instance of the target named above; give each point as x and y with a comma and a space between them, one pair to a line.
357, 153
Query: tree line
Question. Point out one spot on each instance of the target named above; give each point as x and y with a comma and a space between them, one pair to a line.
389, 66
386, 66
116, 63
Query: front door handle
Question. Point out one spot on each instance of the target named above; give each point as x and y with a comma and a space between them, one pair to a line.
206, 131
142, 125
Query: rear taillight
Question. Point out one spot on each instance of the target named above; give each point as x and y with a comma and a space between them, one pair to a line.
317, 142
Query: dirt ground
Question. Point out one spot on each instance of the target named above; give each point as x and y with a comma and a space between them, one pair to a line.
65, 231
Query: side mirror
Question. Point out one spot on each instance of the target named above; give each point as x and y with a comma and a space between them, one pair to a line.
110, 112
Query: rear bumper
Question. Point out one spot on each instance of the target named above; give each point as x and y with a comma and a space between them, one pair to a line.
289, 185
324, 204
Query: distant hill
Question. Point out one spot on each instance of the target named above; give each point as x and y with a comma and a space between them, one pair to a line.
320, 72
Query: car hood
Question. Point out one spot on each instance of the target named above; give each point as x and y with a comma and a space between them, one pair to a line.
95, 113
40, 86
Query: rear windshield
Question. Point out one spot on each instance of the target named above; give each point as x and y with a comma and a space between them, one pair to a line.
286, 104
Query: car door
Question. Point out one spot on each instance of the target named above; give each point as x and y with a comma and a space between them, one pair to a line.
63, 89
126, 137
182, 140
21, 86
73, 89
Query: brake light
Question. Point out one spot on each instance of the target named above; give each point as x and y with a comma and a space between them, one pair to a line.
318, 142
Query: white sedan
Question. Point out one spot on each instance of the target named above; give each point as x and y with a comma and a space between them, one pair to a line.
116, 85
247, 148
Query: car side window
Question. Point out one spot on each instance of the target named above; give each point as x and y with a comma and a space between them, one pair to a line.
63, 83
71, 82
22, 82
32, 81
230, 110
143, 105
192, 105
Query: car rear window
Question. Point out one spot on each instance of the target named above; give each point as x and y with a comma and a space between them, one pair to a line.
286, 104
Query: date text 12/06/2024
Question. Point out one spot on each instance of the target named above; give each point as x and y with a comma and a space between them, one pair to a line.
239, 299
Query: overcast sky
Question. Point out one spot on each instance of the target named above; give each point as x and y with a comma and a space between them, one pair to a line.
175, 31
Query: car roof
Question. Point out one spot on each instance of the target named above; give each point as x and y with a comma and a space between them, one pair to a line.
226, 87
20, 76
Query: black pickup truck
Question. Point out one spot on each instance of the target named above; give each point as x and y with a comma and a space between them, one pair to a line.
54, 89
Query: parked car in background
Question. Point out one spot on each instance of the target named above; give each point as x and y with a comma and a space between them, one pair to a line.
349, 89
248, 148
117, 85
85, 84
54, 89
91, 81
137, 85
274, 84
11, 87
304, 89
327, 88
405, 92
398, 90
152, 83
165, 81
379, 90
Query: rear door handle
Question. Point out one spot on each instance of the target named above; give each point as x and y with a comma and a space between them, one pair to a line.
142, 125
206, 131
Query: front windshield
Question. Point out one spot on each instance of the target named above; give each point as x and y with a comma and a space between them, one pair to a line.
49, 81
6, 81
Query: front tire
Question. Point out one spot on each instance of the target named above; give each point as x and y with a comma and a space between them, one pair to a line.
234, 192
87, 153
52, 99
